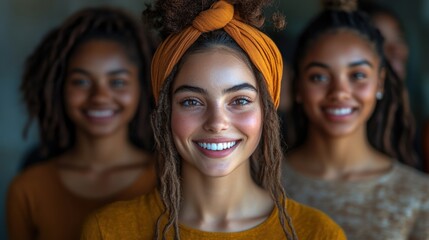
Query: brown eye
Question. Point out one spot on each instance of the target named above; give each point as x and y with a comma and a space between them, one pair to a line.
358, 76
241, 101
319, 78
81, 82
118, 83
190, 103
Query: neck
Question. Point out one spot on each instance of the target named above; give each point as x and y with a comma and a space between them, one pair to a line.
341, 157
210, 203
338, 151
102, 151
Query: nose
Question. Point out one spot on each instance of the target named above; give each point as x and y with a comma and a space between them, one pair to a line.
100, 93
217, 119
339, 89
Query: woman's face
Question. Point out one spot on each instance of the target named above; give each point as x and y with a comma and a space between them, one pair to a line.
102, 88
216, 112
338, 80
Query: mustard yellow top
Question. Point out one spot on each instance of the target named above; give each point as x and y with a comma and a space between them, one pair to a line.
136, 219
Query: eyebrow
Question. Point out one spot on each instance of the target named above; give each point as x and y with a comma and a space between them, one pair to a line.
361, 62
243, 86
113, 72
187, 88
316, 64
353, 64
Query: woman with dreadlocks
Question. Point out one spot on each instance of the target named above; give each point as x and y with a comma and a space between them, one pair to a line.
345, 160
216, 79
87, 84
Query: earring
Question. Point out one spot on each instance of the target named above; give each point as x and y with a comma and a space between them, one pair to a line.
379, 95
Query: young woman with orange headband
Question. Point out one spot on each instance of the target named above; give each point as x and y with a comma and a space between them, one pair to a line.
216, 79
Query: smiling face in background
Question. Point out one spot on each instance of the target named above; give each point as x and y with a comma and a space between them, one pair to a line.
102, 88
216, 112
338, 80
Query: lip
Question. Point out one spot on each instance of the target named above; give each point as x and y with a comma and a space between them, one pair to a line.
339, 113
217, 153
100, 116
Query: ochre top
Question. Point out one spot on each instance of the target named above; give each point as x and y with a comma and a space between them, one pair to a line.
136, 219
262, 51
40, 207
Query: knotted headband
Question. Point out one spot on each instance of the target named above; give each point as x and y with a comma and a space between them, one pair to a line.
261, 50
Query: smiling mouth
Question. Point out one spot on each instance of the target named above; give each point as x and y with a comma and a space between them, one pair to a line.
339, 111
217, 146
100, 113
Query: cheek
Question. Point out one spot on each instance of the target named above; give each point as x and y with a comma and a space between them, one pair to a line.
73, 97
129, 100
367, 92
183, 124
311, 97
249, 122
312, 93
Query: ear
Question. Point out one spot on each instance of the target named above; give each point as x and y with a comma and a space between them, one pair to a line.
381, 79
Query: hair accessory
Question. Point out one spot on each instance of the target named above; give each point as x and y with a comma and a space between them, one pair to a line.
262, 51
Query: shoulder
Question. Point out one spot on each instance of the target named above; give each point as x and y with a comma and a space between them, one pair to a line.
31, 189
125, 218
33, 177
415, 184
409, 172
310, 223
120, 210
410, 179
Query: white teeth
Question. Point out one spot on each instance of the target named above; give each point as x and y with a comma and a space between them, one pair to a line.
217, 146
339, 111
100, 113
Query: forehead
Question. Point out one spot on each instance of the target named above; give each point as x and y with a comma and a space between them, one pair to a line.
216, 67
344, 45
98, 51
98, 48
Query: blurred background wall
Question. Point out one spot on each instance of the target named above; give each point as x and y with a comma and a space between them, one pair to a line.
24, 22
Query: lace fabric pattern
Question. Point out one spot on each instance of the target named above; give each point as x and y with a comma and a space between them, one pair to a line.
394, 206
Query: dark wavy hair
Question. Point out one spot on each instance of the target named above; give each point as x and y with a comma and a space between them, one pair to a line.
390, 128
45, 70
171, 17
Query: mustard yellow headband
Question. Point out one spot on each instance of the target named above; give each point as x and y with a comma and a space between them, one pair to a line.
262, 51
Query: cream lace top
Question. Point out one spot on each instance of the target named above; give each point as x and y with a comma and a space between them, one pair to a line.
394, 206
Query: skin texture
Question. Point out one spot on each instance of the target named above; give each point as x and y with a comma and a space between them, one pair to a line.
101, 88
338, 81
215, 99
217, 102
342, 72
395, 46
